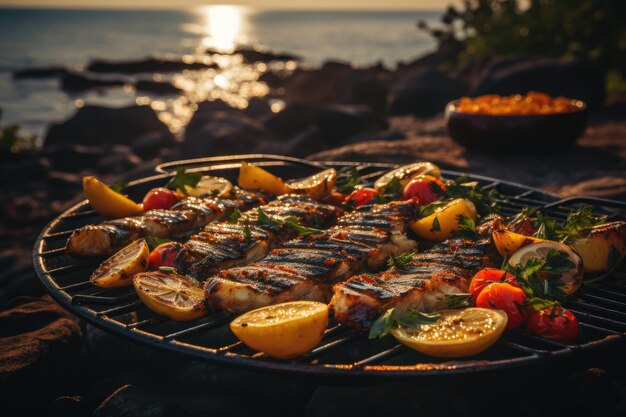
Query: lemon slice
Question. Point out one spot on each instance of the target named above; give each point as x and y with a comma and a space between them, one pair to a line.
441, 224
211, 186
170, 295
118, 270
283, 330
252, 177
457, 333
405, 173
108, 202
316, 186
572, 279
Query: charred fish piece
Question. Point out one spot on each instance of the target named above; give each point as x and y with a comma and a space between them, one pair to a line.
306, 267
224, 244
189, 214
422, 284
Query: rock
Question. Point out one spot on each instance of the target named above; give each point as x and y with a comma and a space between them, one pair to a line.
554, 76
45, 72
40, 347
257, 107
222, 133
335, 123
71, 158
118, 160
151, 144
263, 55
94, 125
424, 92
158, 87
149, 65
130, 401
75, 82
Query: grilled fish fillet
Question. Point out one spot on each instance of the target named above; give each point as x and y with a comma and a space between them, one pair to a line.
422, 284
306, 267
189, 214
224, 244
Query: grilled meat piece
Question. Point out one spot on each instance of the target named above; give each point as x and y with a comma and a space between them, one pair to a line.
421, 285
189, 214
224, 245
305, 268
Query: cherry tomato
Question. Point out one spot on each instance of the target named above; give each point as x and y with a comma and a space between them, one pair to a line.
556, 323
362, 196
524, 227
487, 276
164, 255
336, 198
510, 299
159, 198
422, 188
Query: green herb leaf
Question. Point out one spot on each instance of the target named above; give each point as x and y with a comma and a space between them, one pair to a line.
436, 226
549, 284
579, 223
266, 221
168, 269
415, 319
235, 216
525, 214
467, 227
154, 241
429, 209
458, 300
380, 328
118, 186
546, 227
292, 222
486, 202
347, 180
400, 261
183, 178
272, 223
246, 232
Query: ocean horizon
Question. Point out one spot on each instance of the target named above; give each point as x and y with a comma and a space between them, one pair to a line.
71, 37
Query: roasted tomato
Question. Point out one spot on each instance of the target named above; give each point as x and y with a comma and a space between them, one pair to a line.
362, 196
506, 297
423, 189
556, 323
164, 255
159, 198
488, 276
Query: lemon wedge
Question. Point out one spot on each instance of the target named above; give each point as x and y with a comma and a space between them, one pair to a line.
108, 202
118, 270
283, 330
170, 295
442, 223
252, 177
572, 279
405, 173
211, 186
316, 186
457, 333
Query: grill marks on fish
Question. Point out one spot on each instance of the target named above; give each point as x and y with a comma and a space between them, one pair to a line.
305, 268
223, 245
422, 284
189, 214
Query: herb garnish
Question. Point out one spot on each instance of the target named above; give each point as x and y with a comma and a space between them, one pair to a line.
182, 178
292, 221
118, 186
246, 232
235, 216
486, 202
436, 226
467, 227
347, 180
412, 320
458, 300
154, 241
579, 223
168, 269
400, 261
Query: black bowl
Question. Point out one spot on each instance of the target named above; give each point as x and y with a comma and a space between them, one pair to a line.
518, 133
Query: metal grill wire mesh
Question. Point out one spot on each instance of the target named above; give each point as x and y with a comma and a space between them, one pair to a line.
601, 309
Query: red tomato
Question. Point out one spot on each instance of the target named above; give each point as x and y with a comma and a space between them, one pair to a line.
487, 276
524, 227
554, 323
503, 296
159, 198
361, 197
336, 198
421, 188
164, 255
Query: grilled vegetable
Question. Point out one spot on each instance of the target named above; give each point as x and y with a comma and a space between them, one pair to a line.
164, 255
252, 177
316, 186
284, 330
508, 298
159, 198
488, 276
210, 186
422, 188
170, 295
507, 242
118, 270
604, 248
444, 221
108, 202
403, 174
457, 333
362, 197
554, 323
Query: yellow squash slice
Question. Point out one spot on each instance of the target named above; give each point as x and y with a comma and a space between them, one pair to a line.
442, 223
108, 202
252, 177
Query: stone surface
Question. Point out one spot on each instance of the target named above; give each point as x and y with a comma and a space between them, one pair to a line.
74, 82
148, 65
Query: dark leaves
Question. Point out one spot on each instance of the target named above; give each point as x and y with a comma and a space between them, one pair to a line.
400, 261
458, 300
467, 227
347, 180
436, 226
183, 178
579, 223
412, 320
154, 241
235, 216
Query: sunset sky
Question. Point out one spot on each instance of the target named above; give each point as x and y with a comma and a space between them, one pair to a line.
261, 4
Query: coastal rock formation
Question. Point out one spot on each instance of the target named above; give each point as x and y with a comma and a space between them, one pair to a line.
148, 65
43, 72
158, 87
74, 82
94, 125
251, 55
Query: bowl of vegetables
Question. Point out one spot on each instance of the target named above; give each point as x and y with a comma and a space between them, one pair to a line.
531, 123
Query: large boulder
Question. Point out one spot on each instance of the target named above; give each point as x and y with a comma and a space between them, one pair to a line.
42, 72
257, 54
148, 65
77, 82
94, 125
424, 92
158, 87
557, 77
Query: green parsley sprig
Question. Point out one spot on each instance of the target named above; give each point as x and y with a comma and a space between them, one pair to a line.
347, 180
381, 327
183, 178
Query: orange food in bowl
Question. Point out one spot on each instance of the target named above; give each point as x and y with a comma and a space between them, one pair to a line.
533, 103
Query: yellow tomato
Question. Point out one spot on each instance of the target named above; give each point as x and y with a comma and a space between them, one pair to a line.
108, 202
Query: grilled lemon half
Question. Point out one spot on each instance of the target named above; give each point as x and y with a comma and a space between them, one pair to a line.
283, 330
170, 295
118, 270
456, 334
316, 186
